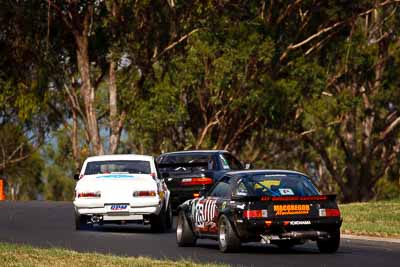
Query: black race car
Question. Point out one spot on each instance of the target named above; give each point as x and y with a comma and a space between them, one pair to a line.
272, 206
187, 173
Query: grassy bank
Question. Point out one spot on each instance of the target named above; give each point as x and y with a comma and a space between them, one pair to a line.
20, 255
381, 218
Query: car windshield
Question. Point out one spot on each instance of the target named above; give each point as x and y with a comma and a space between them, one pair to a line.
186, 162
278, 184
118, 166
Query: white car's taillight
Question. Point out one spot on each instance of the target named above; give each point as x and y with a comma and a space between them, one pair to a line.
144, 193
96, 194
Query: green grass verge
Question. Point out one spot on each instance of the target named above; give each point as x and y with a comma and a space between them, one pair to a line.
381, 218
12, 255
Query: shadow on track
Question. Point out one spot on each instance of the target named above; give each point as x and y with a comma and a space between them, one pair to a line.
255, 248
118, 228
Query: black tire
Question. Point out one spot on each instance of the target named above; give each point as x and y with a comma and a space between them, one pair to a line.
228, 240
330, 245
81, 222
184, 234
159, 222
170, 218
286, 244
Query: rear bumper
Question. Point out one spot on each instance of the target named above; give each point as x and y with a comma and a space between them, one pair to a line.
253, 230
133, 212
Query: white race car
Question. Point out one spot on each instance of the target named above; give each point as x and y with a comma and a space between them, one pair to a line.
121, 189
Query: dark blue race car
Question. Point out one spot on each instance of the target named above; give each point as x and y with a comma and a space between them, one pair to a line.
187, 173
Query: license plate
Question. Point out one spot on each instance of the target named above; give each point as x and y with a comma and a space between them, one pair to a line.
117, 207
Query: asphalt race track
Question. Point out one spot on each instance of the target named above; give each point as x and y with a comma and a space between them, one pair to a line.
50, 224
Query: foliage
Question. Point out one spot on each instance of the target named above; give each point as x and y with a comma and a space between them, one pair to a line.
23, 178
306, 85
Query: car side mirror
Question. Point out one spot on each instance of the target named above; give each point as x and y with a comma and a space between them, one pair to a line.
248, 166
76, 176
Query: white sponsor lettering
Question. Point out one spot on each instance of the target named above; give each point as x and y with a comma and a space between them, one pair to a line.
299, 222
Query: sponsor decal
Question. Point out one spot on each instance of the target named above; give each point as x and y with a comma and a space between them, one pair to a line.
119, 207
205, 212
286, 191
300, 222
291, 209
268, 183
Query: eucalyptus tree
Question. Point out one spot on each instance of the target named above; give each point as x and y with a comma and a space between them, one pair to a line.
353, 123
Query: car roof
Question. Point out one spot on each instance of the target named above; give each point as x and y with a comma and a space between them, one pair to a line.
119, 157
244, 172
195, 152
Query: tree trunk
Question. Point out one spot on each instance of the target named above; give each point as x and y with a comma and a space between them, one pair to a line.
87, 92
116, 120
75, 145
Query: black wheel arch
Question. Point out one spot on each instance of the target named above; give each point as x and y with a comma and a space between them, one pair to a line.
187, 212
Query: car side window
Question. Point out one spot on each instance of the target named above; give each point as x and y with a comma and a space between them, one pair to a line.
230, 162
222, 188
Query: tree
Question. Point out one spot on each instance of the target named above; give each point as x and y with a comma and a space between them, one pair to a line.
21, 164
354, 123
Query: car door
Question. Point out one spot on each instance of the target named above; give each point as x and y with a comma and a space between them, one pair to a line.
207, 208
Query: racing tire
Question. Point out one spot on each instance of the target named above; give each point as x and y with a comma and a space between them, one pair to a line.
159, 223
286, 244
228, 240
81, 222
331, 244
184, 234
170, 217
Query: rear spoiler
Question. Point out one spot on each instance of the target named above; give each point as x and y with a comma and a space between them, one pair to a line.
286, 198
183, 164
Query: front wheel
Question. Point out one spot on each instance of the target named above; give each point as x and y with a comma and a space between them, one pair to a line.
331, 244
184, 234
228, 240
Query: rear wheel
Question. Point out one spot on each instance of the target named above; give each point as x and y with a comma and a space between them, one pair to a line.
159, 223
184, 234
228, 241
331, 244
170, 217
81, 222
